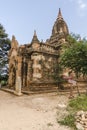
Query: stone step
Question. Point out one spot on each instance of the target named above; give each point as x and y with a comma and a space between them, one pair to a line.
38, 92
7, 90
10, 91
27, 92
43, 88
59, 92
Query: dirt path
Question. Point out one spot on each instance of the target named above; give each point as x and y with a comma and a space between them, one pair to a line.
35, 112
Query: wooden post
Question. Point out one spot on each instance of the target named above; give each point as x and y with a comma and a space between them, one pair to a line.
71, 91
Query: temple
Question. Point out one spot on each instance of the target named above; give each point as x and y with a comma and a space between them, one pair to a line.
33, 64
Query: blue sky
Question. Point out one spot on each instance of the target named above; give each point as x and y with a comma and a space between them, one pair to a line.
22, 17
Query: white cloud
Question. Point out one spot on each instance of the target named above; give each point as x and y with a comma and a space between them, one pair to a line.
81, 4
81, 7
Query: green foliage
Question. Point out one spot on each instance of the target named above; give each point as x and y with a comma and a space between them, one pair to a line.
74, 56
77, 104
3, 82
2, 32
69, 120
4, 48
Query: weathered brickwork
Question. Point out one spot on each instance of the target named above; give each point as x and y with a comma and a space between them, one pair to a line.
33, 63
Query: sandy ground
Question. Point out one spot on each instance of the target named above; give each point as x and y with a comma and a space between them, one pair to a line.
35, 112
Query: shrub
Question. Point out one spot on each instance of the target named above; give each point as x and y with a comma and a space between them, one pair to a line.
77, 104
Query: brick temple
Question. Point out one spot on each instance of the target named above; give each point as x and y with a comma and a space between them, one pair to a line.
31, 66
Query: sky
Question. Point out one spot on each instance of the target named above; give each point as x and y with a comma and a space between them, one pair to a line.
22, 17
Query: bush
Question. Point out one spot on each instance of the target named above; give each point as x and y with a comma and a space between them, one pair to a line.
77, 104
69, 120
3, 83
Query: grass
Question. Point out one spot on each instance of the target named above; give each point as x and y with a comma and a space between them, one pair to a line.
69, 120
77, 104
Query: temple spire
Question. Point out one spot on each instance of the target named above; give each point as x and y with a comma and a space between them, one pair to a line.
14, 43
35, 33
35, 39
60, 14
13, 38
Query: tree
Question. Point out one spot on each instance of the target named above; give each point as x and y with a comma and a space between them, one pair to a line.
74, 56
4, 48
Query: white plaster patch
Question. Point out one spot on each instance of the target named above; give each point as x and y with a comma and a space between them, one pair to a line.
37, 66
36, 75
